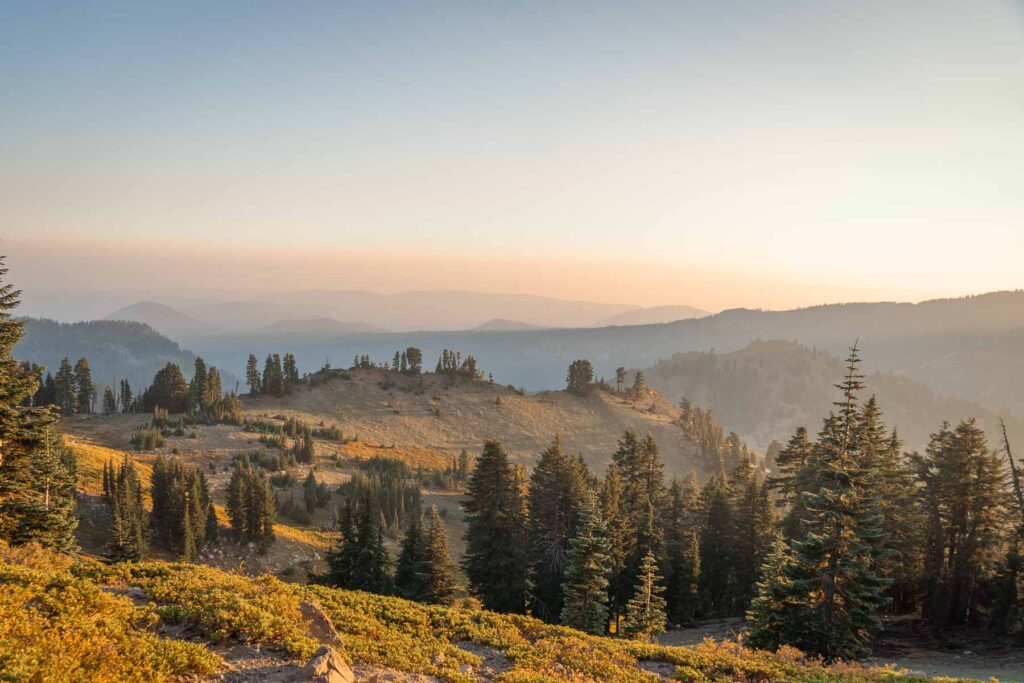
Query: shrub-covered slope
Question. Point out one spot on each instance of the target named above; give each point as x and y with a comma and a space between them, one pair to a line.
66, 620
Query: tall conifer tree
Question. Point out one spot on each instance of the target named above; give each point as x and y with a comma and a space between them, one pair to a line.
495, 559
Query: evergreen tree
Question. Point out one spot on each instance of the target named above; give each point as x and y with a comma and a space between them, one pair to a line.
360, 562
620, 540
37, 473
67, 391
440, 581
645, 611
212, 396
965, 494
580, 376
197, 387
495, 559
212, 527
682, 547
181, 503
717, 575
252, 376
831, 589
891, 477
643, 495
86, 390
790, 462
410, 571
109, 401
169, 391
586, 578
556, 488
774, 615
639, 384
620, 379
128, 527
751, 535
414, 357
125, 397
290, 372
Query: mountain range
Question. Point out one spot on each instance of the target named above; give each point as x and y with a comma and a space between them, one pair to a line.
355, 312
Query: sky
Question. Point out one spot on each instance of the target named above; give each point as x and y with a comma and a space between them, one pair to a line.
719, 154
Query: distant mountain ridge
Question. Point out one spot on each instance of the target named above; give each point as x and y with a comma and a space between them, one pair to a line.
504, 325
160, 317
653, 315
370, 312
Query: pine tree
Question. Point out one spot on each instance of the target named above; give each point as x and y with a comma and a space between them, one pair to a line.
37, 473
682, 547
791, 461
620, 379
125, 397
360, 562
645, 611
169, 391
252, 376
716, 547
109, 401
67, 391
965, 495
128, 539
620, 540
832, 593
643, 494
556, 488
212, 394
586, 578
751, 535
290, 373
440, 581
410, 571
495, 559
212, 528
579, 377
891, 477
774, 616
197, 387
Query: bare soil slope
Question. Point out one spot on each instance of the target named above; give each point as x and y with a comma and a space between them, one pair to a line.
428, 418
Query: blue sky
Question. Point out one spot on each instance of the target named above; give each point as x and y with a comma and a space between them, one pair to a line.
755, 139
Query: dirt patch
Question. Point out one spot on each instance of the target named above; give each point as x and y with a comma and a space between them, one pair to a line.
495, 662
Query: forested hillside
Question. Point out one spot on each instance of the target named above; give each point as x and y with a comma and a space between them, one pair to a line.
116, 349
768, 389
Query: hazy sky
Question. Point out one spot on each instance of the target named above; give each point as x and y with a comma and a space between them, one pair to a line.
714, 153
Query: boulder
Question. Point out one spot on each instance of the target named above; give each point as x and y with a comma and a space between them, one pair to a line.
320, 627
327, 666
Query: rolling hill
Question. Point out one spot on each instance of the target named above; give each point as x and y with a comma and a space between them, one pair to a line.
427, 419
